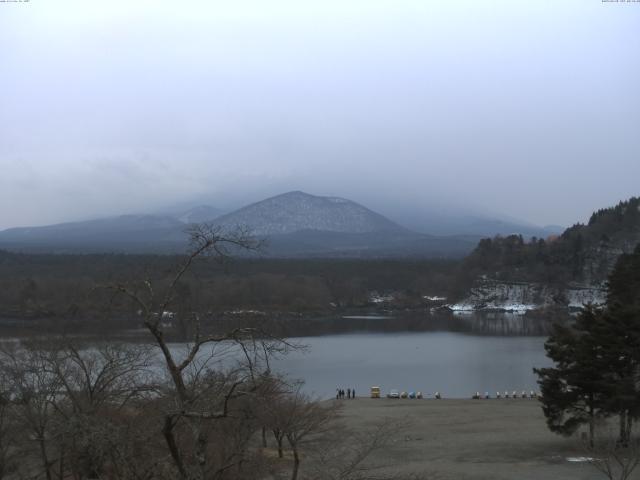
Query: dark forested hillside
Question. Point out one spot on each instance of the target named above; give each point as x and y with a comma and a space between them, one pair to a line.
583, 253
64, 287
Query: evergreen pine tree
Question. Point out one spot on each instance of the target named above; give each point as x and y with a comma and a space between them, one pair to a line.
619, 334
574, 391
597, 360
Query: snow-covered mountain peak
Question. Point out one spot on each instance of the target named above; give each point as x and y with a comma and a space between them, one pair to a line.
296, 211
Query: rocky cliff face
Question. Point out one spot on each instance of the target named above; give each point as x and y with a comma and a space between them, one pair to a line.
600, 259
520, 297
609, 233
565, 271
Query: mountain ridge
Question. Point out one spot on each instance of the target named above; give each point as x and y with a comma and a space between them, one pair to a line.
296, 223
298, 211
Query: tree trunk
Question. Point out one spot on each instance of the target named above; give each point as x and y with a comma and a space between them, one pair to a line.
45, 460
201, 451
279, 438
296, 463
61, 464
167, 431
592, 420
624, 434
264, 437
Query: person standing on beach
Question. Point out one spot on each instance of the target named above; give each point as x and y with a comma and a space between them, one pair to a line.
353, 393
348, 393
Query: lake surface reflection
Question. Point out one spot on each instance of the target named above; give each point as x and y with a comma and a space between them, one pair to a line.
477, 323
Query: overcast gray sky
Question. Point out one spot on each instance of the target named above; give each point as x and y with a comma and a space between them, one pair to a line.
527, 108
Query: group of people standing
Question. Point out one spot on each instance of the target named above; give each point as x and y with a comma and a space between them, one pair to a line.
351, 393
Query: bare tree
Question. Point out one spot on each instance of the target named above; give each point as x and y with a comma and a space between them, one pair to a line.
33, 392
300, 418
270, 411
8, 430
75, 404
97, 384
97, 376
611, 458
313, 431
197, 395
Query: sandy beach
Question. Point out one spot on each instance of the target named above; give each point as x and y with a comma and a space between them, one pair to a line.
471, 439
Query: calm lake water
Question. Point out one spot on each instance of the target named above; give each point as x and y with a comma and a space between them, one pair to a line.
455, 364
456, 355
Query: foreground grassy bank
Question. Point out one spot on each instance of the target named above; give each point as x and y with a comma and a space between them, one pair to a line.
470, 439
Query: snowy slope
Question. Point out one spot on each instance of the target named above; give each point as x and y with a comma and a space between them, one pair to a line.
298, 211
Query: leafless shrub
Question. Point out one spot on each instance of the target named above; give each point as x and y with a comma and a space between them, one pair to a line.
347, 455
8, 432
33, 395
612, 459
74, 406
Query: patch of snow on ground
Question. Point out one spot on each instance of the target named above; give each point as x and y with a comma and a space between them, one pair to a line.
462, 307
579, 459
511, 307
375, 298
434, 298
245, 312
578, 297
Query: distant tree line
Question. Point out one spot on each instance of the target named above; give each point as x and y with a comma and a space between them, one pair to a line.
64, 289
